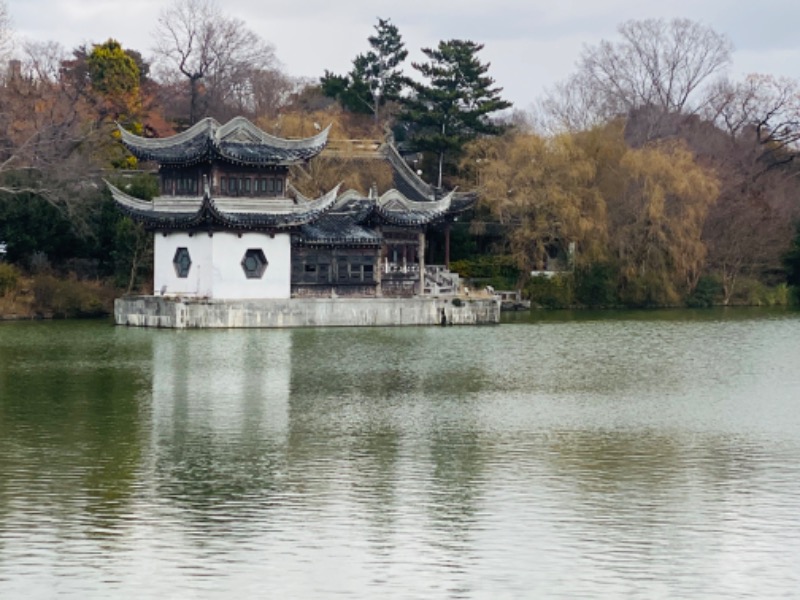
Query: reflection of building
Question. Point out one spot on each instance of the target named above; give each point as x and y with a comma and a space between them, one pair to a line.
236, 386
230, 228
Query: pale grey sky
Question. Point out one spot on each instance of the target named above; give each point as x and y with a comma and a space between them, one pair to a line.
531, 44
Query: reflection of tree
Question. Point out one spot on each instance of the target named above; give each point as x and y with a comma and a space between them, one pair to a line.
648, 490
383, 364
70, 431
603, 461
459, 466
375, 455
388, 417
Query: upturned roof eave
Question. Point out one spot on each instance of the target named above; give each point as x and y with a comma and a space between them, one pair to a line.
209, 215
206, 139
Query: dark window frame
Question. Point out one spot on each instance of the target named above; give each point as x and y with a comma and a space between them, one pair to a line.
182, 262
254, 263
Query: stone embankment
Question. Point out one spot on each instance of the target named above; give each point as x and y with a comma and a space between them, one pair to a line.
186, 313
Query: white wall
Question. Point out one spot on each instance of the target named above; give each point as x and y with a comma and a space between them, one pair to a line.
216, 270
229, 278
200, 278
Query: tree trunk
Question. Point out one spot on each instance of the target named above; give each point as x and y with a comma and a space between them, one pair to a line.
194, 102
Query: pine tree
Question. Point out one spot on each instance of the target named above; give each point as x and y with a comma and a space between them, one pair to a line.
375, 77
454, 107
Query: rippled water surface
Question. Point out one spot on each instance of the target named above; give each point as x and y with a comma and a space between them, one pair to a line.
560, 456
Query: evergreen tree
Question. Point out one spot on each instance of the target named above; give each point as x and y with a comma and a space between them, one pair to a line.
454, 107
375, 77
112, 70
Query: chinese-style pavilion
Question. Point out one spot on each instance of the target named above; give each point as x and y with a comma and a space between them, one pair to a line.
228, 224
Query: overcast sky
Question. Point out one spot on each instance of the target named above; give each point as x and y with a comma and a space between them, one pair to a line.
530, 43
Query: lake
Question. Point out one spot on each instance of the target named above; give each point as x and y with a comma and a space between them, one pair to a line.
558, 455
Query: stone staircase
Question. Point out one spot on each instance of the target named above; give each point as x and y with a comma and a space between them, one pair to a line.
439, 281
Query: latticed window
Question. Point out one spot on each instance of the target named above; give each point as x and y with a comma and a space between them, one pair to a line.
182, 262
254, 263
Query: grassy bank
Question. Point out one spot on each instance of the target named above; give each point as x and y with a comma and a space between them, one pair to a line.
46, 296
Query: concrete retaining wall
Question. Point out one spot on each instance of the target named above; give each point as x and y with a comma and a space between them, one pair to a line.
182, 313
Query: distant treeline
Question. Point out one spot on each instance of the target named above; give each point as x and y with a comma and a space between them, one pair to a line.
646, 178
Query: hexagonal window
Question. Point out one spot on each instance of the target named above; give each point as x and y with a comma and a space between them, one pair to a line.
254, 263
182, 262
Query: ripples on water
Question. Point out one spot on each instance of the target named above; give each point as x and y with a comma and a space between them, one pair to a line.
614, 457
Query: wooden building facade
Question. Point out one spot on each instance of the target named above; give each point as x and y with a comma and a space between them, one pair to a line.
228, 224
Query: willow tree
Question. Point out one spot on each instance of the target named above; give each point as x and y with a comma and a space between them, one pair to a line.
656, 218
543, 190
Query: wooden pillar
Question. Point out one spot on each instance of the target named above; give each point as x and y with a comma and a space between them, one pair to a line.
376, 270
447, 245
421, 253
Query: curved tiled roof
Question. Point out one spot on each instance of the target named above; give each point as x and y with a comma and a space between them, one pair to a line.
223, 213
396, 209
337, 228
238, 142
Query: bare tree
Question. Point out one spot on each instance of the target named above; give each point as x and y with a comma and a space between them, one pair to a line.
666, 65
570, 106
42, 61
766, 110
758, 131
213, 51
52, 134
6, 33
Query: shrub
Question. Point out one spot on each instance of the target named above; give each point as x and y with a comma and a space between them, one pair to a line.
707, 293
596, 285
500, 272
751, 292
650, 290
550, 292
9, 277
67, 297
781, 295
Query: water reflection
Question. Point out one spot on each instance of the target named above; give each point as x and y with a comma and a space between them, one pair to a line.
219, 420
582, 458
71, 444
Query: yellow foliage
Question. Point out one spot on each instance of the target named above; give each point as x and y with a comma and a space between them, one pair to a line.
659, 215
644, 208
543, 190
